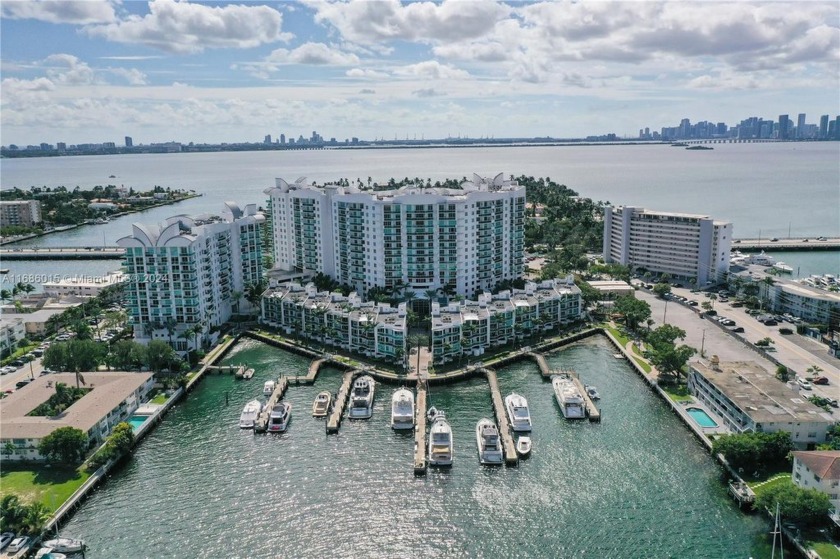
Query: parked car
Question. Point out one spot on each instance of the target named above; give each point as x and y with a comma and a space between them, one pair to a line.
739, 329
804, 384
785, 331
6, 538
22, 383
820, 380
18, 544
833, 403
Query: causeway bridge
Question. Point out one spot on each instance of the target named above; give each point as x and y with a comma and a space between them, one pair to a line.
788, 244
62, 253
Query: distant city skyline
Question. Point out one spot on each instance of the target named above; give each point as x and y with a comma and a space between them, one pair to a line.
164, 70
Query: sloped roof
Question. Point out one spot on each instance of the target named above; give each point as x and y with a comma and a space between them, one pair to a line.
824, 463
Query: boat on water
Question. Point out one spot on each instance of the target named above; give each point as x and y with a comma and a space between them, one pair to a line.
321, 405
268, 387
618, 355
568, 397
278, 421
49, 553
4, 271
783, 268
518, 413
679, 145
65, 545
249, 414
440, 441
488, 441
361, 399
402, 409
760, 259
696, 148
523, 446
592, 391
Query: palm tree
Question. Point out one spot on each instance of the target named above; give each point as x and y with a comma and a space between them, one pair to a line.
36, 517
5, 295
417, 341
170, 324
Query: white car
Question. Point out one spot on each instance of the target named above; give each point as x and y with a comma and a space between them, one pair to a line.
803, 384
18, 544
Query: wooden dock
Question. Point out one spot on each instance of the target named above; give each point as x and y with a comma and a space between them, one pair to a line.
334, 419
542, 364
511, 458
420, 430
314, 369
592, 412
261, 425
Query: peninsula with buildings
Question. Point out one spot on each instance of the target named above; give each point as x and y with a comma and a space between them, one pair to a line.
403, 283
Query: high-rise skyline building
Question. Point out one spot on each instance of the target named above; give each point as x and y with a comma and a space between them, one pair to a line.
129, 142
185, 273
800, 126
464, 240
784, 124
823, 134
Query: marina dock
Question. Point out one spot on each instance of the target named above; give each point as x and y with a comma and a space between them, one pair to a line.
592, 412
243, 373
237, 370
511, 458
334, 419
261, 425
542, 364
314, 369
420, 430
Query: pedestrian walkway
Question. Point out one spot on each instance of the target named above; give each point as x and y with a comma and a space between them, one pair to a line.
772, 479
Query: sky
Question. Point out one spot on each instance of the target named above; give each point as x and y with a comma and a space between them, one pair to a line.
210, 72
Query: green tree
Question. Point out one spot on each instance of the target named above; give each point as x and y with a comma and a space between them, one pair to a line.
634, 311
160, 355
782, 373
802, 506
128, 355
67, 445
122, 437
661, 290
12, 513
36, 518
754, 451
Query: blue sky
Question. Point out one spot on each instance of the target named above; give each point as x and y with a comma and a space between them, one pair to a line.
98, 70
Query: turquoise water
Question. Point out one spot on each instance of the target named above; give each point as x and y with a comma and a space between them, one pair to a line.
701, 417
136, 421
636, 485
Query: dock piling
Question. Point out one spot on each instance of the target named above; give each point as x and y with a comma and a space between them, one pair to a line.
420, 430
334, 420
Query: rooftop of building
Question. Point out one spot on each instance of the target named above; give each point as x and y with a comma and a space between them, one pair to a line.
759, 394
109, 390
824, 463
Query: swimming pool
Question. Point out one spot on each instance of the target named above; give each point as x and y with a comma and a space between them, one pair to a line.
701, 417
136, 421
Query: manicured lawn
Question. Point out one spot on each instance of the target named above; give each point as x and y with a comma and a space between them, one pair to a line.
825, 549
617, 335
51, 486
771, 480
643, 364
160, 398
676, 393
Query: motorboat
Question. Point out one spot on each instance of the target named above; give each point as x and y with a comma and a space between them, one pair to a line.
523, 446
488, 441
592, 392
518, 413
321, 405
783, 268
268, 387
568, 397
281, 413
65, 545
431, 414
49, 553
249, 415
402, 409
361, 399
440, 441
618, 355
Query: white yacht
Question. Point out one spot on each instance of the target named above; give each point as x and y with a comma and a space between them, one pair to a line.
593, 392
782, 267
568, 397
518, 413
65, 545
523, 446
49, 553
268, 387
488, 441
760, 259
321, 405
440, 441
402, 409
249, 415
281, 413
361, 399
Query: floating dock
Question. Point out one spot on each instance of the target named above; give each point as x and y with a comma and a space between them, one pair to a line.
334, 419
592, 412
542, 364
261, 425
420, 430
243, 373
511, 457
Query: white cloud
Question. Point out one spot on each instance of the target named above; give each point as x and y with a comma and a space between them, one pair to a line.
181, 27
431, 69
60, 11
312, 53
365, 73
133, 76
68, 70
373, 21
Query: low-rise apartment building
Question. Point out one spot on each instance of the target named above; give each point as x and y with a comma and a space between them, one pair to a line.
820, 470
23, 213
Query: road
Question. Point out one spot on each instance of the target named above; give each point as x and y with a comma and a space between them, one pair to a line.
795, 351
